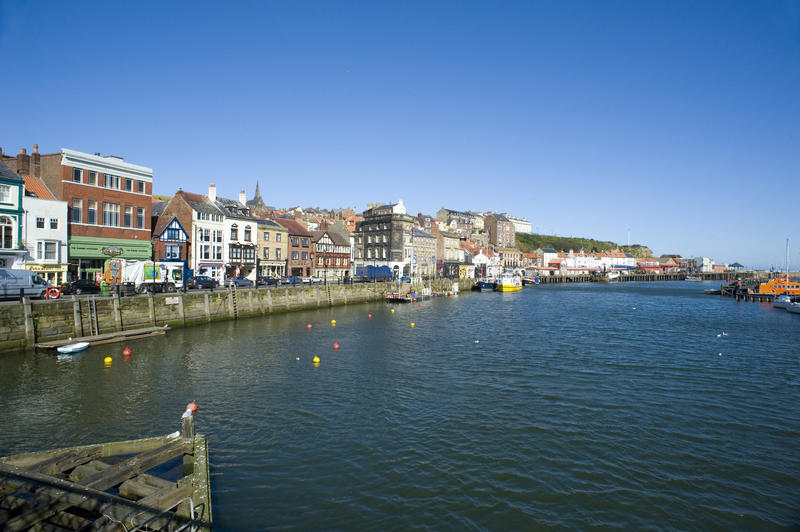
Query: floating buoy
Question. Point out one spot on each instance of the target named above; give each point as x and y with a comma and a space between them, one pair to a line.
315, 360
392, 311
420, 304
308, 326
333, 322
297, 358
369, 316
107, 361
719, 355
477, 341
126, 352
412, 323
192, 406
336, 346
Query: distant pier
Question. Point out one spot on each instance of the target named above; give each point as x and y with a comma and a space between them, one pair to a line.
560, 279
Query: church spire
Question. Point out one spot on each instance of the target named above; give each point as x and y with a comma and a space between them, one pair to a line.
257, 195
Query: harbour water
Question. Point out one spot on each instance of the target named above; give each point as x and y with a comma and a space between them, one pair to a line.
630, 406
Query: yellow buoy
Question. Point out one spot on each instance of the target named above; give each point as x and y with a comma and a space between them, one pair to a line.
108, 360
392, 311
412, 323
333, 322
315, 360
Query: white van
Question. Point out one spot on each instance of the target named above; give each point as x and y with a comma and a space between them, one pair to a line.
11, 281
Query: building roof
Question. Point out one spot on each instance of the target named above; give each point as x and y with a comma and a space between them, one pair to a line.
338, 239
419, 233
294, 227
450, 234
163, 222
7, 173
269, 223
200, 203
37, 188
157, 208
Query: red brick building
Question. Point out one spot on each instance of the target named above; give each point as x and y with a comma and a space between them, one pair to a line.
301, 253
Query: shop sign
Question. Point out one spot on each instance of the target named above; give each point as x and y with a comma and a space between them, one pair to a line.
112, 251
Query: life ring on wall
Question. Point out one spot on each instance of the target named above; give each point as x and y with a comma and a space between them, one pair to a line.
53, 292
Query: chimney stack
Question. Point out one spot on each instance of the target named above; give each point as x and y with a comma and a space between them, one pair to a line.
243, 197
36, 162
23, 162
23, 151
35, 148
212, 192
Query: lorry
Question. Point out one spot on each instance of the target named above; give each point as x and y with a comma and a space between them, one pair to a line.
374, 273
14, 283
144, 275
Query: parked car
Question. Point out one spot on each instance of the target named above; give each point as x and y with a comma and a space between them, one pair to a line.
291, 279
268, 281
81, 286
405, 279
312, 280
239, 282
202, 281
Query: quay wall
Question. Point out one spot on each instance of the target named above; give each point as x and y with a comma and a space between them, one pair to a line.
27, 322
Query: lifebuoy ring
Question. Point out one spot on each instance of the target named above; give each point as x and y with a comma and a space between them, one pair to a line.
53, 292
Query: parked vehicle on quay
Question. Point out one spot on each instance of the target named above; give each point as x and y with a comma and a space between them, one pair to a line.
268, 281
202, 281
13, 283
81, 286
239, 282
291, 279
146, 275
312, 280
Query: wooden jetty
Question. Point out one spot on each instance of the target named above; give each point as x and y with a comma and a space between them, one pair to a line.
157, 483
107, 338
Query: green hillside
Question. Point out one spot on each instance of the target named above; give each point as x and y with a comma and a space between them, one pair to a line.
529, 243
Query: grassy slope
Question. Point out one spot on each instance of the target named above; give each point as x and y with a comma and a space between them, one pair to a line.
529, 243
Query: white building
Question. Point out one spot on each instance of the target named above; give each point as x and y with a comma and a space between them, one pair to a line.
703, 264
239, 237
207, 235
521, 225
44, 232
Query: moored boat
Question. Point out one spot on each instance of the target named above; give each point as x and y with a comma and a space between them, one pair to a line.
783, 299
607, 277
73, 348
693, 278
508, 282
794, 308
484, 285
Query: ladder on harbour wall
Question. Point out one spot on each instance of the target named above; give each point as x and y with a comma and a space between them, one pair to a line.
234, 295
94, 324
328, 293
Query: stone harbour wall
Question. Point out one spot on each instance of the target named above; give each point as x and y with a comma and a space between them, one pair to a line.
25, 323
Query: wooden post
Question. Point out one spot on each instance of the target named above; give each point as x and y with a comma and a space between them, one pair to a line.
208, 307
152, 308
76, 315
30, 335
269, 300
231, 310
187, 426
117, 312
181, 309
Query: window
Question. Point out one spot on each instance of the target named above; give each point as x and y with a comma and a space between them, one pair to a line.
277, 253
295, 241
128, 220
91, 212
5, 194
277, 237
172, 252
205, 251
92, 180
129, 185
295, 255
247, 233
266, 236
6, 232
140, 187
111, 181
305, 242
39, 223
218, 236
111, 214
217, 252
249, 254
234, 232
53, 223
76, 175
76, 210
235, 252
173, 234
305, 255
266, 253
46, 250
140, 217
319, 261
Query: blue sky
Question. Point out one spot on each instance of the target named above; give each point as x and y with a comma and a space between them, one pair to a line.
676, 121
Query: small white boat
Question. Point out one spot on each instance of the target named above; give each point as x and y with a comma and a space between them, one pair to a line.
782, 301
73, 348
794, 308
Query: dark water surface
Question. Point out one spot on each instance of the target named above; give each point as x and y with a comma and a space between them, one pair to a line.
580, 407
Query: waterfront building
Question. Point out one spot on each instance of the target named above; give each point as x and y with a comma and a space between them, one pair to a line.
44, 232
703, 264
273, 248
509, 257
299, 261
331, 256
448, 245
457, 221
478, 221
383, 238
424, 257
12, 249
501, 230
239, 244
109, 204
170, 238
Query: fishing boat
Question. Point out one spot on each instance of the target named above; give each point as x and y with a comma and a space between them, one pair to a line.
508, 282
693, 278
609, 276
484, 285
73, 348
785, 299
530, 281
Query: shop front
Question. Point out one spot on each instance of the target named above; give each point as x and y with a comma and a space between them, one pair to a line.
87, 255
55, 273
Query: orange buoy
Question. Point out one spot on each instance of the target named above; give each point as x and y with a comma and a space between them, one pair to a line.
192, 406
369, 316
336, 346
308, 326
126, 352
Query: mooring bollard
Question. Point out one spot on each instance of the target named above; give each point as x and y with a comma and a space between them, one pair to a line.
187, 421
